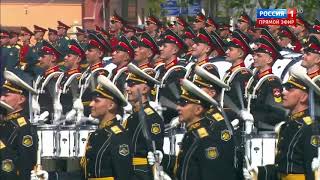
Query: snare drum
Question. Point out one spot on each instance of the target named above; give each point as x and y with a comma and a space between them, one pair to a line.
66, 141
262, 149
47, 140
82, 137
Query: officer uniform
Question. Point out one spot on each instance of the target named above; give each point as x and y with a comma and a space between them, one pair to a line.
243, 76
266, 108
171, 90
73, 88
94, 42
53, 31
286, 33
244, 17
4, 34
219, 48
134, 125
313, 47
18, 138
12, 52
148, 42
125, 46
225, 27
154, 20
82, 32
26, 58
302, 39
297, 145
188, 33
204, 151
114, 40
63, 41
108, 151
204, 37
46, 98
35, 52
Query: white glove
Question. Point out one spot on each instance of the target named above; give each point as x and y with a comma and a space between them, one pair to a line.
277, 127
42, 117
70, 116
152, 157
315, 164
35, 106
39, 175
249, 127
57, 110
235, 124
93, 120
77, 104
248, 118
246, 115
164, 176
249, 172
174, 122
128, 108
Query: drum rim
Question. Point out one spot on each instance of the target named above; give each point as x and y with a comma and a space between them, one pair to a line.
268, 134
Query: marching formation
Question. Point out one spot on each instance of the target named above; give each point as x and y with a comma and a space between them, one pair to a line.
183, 100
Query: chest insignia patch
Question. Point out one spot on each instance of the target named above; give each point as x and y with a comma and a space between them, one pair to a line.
7, 165
315, 141
27, 141
225, 135
124, 149
212, 153
155, 128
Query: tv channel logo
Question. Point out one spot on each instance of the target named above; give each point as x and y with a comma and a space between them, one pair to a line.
276, 16
276, 13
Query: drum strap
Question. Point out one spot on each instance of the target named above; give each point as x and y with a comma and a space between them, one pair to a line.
102, 178
292, 177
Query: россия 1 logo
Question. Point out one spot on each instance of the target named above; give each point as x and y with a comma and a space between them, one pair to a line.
280, 17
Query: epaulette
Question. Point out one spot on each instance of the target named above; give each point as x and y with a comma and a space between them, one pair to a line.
178, 69
148, 111
105, 124
2, 145
244, 72
12, 116
67, 38
22, 121
271, 79
194, 126
210, 66
17, 46
115, 129
202, 132
217, 116
307, 120
84, 65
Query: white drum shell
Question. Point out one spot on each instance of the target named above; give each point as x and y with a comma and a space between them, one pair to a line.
66, 140
167, 145
82, 138
261, 149
47, 135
